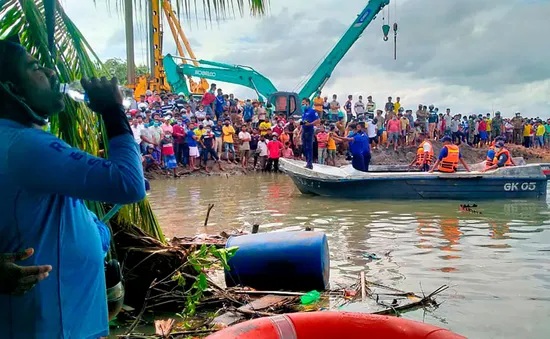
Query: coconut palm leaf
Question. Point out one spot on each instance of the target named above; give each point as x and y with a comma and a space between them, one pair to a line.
77, 125
74, 58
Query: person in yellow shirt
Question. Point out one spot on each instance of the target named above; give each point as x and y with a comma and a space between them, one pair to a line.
539, 135
227, 132
318, 102
397, 105
265, 128
527, 134
404, 128
331, 147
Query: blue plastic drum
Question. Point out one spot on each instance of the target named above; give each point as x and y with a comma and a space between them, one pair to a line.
291, 261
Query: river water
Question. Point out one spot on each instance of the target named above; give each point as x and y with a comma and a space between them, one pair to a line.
497, 263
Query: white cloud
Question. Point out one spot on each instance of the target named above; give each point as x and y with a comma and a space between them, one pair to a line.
471, 56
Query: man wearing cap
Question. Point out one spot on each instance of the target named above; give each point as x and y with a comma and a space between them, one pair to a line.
517, 123
449, 157
45, 225
502, 157
498, 125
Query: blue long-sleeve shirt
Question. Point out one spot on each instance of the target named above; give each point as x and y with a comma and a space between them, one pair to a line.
44, 182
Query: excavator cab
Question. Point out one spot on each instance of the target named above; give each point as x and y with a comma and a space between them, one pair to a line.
287, 103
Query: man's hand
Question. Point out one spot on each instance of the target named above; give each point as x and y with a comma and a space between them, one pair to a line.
103, 94
17, 280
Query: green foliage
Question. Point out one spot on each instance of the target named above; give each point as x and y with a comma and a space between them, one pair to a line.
200, 260
117, 67
76, 125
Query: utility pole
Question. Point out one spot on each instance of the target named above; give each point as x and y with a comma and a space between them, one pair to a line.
129, 28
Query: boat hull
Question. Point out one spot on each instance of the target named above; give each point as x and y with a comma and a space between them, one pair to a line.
422, 188
527, 182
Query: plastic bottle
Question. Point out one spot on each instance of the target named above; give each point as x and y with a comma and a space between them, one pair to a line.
75, 91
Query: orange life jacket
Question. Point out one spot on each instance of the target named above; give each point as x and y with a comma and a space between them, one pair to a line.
489, 161
420, 154
449, 164
508, 161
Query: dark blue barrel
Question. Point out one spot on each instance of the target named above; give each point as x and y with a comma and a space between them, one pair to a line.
291, 261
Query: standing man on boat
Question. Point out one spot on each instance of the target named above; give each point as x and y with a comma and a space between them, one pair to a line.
424, 154
366, 146
44, 184
449, 157
310, 119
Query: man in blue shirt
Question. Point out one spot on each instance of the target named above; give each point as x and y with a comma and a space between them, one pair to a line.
44, 184
310, 119
219, 104
365, 140
356, 142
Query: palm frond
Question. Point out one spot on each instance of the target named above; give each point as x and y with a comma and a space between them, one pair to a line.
212, 9
74, 59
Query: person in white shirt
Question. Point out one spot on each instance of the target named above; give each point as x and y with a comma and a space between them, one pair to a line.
146, 138
245, 138
359, 108
371, 130
262, 151
136, 130
208, 121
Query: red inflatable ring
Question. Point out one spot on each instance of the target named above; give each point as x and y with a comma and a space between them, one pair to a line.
333, 325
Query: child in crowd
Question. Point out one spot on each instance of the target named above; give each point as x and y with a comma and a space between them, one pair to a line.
287, 151
149, 162
168, 155
262, 152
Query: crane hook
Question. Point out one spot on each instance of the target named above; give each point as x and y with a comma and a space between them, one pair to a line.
386, 31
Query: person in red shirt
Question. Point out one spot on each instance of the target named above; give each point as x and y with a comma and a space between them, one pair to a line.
483, 135
394, 127
208, 100
279, 128
274, 148
178, 133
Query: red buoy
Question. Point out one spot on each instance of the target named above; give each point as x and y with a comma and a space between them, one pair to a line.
332, 325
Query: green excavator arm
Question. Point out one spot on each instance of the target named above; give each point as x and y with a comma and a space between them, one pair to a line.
321, 75
240, 75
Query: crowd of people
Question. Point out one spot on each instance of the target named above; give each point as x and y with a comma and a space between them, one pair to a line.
174, 130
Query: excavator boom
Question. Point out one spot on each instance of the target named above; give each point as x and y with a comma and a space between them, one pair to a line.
324, 71
240, 75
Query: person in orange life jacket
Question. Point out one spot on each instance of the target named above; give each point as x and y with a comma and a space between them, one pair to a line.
424, 154
355, 140
491, 152
449, 157
502, 157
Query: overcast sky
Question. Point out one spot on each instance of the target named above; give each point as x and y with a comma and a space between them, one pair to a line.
469, 55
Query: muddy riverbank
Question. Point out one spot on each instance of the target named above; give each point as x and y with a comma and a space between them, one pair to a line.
380, 156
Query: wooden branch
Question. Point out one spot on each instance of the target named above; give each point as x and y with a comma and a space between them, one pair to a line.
363, 291
210, 207
269, 292
421, 303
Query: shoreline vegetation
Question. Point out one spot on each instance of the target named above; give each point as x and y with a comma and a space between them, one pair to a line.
381, 156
